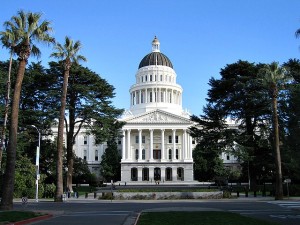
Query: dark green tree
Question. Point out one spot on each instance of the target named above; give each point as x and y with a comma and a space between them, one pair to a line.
30, 29
238, 96
88, 105
290, 111
69, 53
273, 78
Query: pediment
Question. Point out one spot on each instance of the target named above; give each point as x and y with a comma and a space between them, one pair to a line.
158, 116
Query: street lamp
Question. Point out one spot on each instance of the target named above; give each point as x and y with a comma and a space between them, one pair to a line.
37, 164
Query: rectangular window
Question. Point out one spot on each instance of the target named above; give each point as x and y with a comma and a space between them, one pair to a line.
177, 153
150, 77
170, 139
176, 139
85, 140
137, 139
193, 141
161, 77
143, 139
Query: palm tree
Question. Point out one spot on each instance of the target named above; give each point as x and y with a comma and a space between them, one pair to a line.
273, 77
69, 54
9, 38
28, 29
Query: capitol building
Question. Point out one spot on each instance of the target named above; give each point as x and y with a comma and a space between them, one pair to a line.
156, 145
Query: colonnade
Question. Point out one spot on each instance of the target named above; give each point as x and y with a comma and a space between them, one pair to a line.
172, 144
156, 94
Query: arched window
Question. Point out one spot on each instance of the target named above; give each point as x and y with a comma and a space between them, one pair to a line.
170, 153
180, 173
142, 97
136, 154
85, 155
145, 174
134, 174
96, 155
168, 174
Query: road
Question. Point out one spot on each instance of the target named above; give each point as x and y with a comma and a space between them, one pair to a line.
105, 212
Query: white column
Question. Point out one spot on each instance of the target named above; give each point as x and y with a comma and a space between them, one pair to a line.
129, 155
140, 144
190, 147
146, 96
151, 144
158, 95
140, 96
162, 144
123, 146
185, 144
174, 144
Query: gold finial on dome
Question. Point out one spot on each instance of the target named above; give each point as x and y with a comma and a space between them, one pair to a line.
155, 45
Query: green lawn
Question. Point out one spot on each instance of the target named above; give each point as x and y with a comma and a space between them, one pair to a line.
14, 216
197, 218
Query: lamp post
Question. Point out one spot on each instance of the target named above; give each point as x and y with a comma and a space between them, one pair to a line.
37, 164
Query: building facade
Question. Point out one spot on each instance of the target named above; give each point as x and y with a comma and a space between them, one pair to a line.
156, 145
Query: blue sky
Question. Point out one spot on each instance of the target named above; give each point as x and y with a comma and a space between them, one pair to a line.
200, 37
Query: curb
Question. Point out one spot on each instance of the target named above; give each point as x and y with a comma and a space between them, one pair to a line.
137, 219
31, 220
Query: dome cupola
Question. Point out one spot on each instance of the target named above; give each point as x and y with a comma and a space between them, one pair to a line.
155, 58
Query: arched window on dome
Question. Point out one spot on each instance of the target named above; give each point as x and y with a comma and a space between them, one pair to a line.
150, 95
142, 97
133, 98
170, 97
146, 78
150, 78
161, 96
161, 77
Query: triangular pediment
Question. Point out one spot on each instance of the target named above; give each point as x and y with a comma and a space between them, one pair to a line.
158, 116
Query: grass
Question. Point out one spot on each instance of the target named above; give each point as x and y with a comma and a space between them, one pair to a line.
198, 218
14, 216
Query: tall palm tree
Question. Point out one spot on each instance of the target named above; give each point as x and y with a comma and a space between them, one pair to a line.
69, 54
9, 38
273, 77
29, 30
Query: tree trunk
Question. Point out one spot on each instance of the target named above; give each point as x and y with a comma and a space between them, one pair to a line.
60, 140
70, 155
9, 177
7, 98
279, 188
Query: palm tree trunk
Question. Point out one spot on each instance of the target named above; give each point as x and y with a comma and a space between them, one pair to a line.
279, 188
3, 139
60, 140
9, 177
